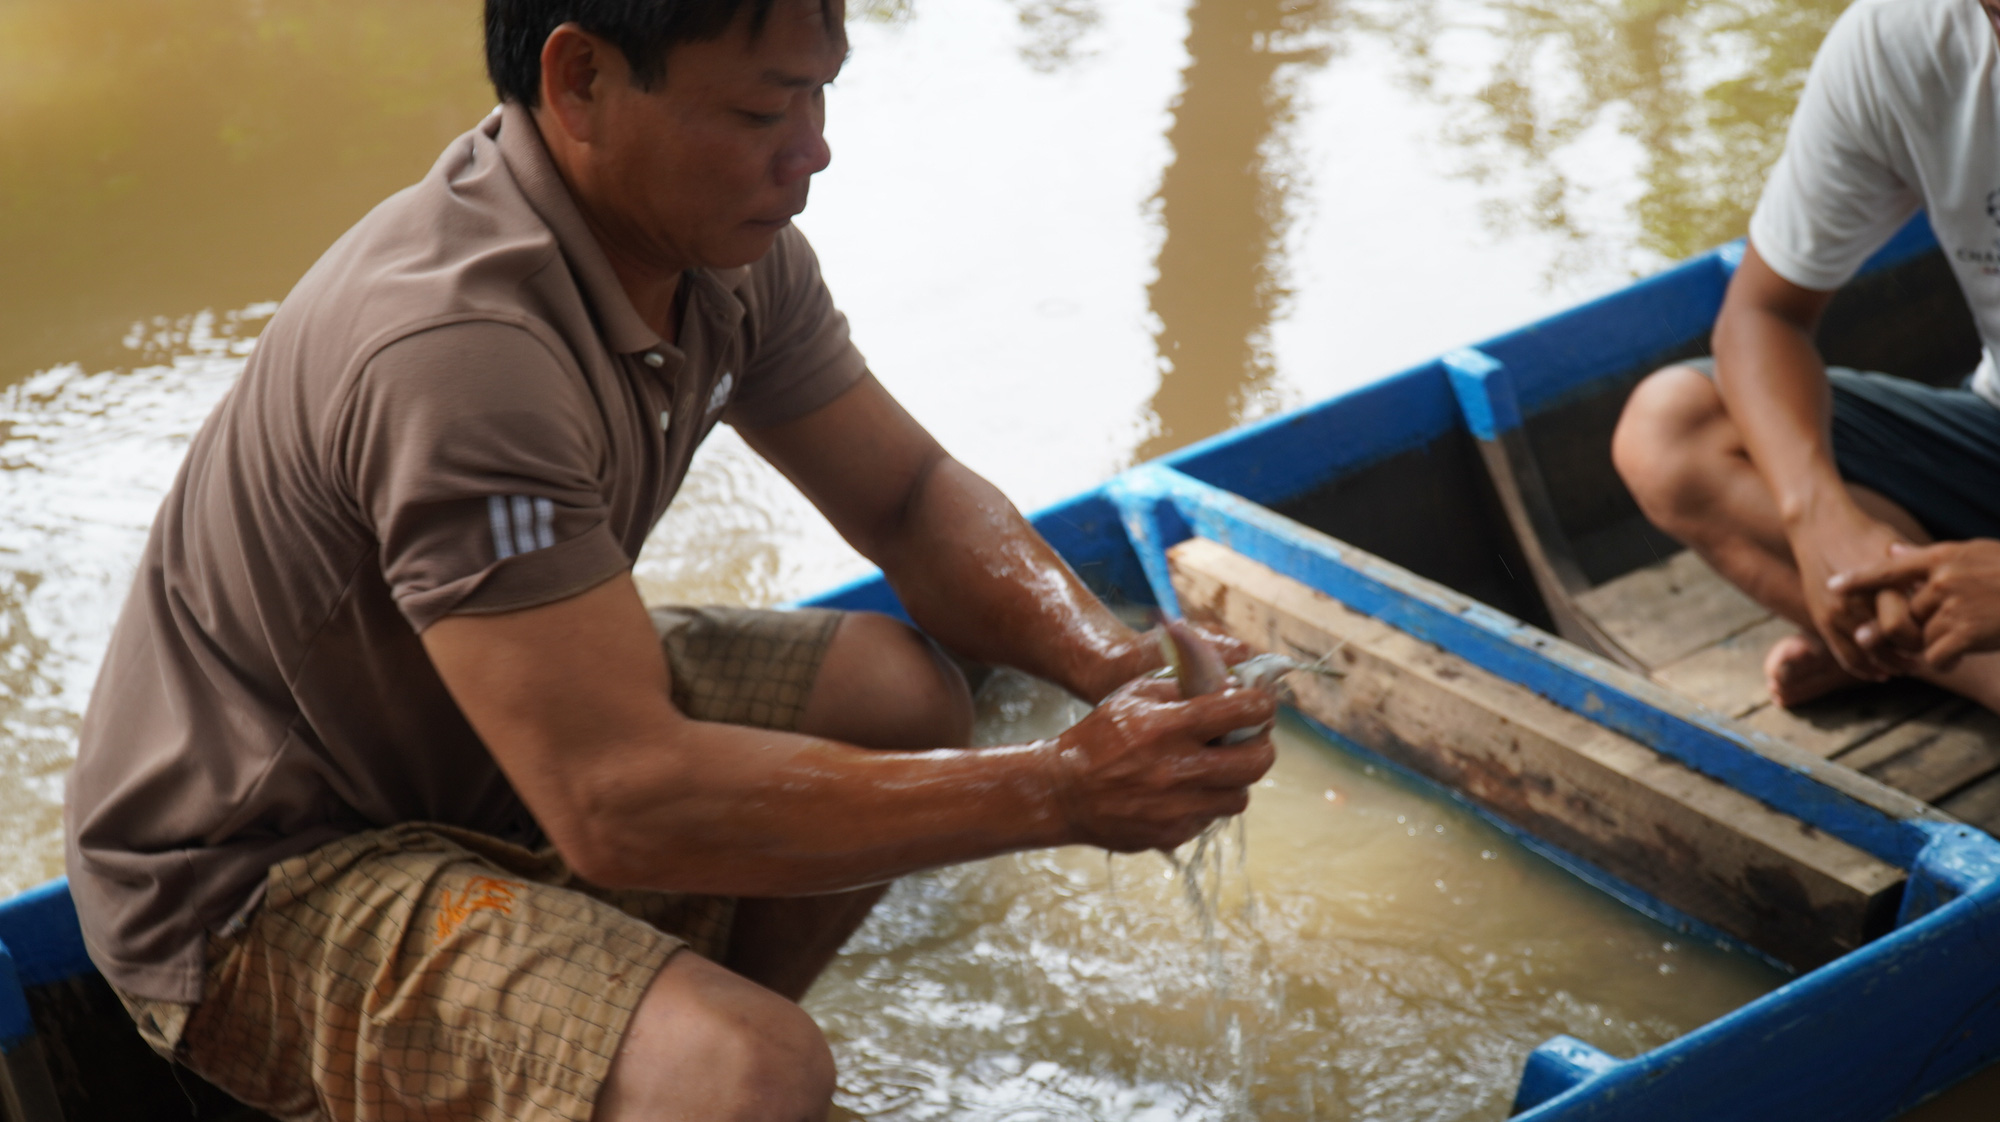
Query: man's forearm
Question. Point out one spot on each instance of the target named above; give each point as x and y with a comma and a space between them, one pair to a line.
574, 701
1774, 385
974, 574
1771, 377
969, 568
747, 811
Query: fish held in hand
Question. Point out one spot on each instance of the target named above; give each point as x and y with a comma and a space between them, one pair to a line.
1191, 661
1194, 664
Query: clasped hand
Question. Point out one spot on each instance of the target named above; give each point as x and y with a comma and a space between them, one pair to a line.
1142, 771
1924, 607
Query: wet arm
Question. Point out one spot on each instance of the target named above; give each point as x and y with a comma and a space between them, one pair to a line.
971, 571
574, 701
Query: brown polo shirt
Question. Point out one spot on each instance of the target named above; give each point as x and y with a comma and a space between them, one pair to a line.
456, 411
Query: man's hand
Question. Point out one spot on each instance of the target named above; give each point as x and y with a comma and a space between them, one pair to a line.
1869, 634
1956, 597
1141, 654
1141, 771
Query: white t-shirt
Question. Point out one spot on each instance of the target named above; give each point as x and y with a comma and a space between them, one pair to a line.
1901, 111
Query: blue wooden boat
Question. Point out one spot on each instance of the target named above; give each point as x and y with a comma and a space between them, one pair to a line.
1455, 531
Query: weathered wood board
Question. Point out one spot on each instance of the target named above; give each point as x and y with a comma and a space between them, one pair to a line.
1832, 725
1667, 611
1706, 640
1978, 804
1934, 754
1690, 841
1728, 674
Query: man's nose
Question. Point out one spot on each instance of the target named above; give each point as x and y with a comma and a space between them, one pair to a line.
806, 153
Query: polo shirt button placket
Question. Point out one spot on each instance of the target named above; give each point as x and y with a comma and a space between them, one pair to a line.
656, 360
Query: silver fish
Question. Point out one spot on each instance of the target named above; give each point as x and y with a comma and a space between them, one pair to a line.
1195, 665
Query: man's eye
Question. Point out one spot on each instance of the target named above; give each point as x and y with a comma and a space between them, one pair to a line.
762, 120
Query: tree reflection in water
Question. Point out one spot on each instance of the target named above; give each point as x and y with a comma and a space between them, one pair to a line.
1054, 30
1226, 203
158, 157
1704, 87
880, 11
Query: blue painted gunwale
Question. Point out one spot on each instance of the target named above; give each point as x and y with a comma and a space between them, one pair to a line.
1859, 1039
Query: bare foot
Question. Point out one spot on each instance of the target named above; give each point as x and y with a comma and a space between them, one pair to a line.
1800, 668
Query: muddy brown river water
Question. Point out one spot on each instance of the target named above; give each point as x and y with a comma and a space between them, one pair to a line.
1071, 235
1395, 960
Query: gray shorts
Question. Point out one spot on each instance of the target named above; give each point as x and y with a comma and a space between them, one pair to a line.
1934, 452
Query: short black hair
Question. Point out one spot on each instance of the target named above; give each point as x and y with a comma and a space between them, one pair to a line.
644, 30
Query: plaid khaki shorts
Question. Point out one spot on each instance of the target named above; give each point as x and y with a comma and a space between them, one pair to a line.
428, 972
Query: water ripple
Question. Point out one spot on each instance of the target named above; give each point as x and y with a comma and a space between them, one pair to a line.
84, 460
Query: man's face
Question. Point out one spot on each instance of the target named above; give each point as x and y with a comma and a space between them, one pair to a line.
707, 167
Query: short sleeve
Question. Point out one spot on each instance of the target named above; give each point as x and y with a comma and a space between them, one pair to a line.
476, 456
1835, 196
800, 356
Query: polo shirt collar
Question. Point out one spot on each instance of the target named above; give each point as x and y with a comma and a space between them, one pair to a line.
715, 294
625, 331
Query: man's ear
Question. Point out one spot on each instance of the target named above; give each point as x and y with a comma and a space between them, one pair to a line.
576, 69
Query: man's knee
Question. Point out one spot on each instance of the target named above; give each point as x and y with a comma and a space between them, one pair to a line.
708, 1044
775, 1069
884, 685
1670, 442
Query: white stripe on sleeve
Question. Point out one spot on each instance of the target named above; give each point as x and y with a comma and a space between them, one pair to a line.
545, 530
524, 525
503, 533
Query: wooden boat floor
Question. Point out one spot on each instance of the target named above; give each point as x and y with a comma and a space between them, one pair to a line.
1698, 635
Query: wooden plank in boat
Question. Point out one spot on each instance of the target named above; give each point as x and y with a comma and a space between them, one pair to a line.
1727, 676
1692, 842
1833, 725
1919, 728
1934, 753
1977, 805
1667, 611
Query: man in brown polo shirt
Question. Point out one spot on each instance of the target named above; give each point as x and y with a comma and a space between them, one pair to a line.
393, 801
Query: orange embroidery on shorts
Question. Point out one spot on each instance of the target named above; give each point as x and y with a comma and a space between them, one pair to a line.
480, 893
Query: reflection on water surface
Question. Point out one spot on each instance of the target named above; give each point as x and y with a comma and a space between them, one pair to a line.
84, 459
1702, 88
1226, 202
159, 157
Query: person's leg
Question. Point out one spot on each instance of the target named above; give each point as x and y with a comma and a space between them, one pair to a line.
881, 685
858, 677
423, 972
1686, 464
707, 1045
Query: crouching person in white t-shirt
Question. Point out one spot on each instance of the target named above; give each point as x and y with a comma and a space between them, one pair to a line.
1784, 474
